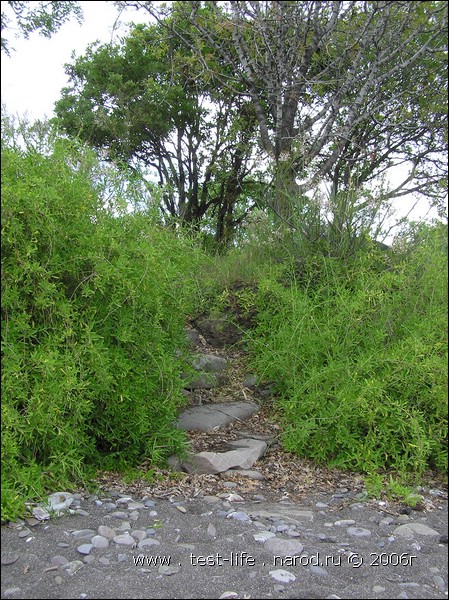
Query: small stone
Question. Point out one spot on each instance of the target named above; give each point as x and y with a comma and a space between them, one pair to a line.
106, 532
359, 531
58, 560
72, 567
104, 561
12, 591
182, 509
100, 541
318, 571
85, 548
89, 558
263, 536
282, 575
58, 579
239, 516
211, 499
440, 583
344, 523
83, 533
119, 515
125, 540
284, 547
25, 533
8, 558
211, 530
443, 539
148, 542
167, 570
139, 534
411, 529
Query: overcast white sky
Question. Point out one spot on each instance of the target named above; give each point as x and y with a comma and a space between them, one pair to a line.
33, 76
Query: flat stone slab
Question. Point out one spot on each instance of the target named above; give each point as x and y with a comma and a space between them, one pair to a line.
211, 416
246, 453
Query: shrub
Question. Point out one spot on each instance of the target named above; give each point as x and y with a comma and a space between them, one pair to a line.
359, 355
93, 308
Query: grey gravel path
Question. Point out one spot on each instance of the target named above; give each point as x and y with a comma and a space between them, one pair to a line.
117, 546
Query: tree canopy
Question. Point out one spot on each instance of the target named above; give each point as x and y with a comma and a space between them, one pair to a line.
144, 102
342, 91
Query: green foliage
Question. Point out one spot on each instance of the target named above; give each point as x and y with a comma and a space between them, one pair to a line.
93, 307
145, 102
359, 354
44, 17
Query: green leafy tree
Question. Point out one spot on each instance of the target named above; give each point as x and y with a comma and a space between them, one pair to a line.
342, 91
145, 104
44, 17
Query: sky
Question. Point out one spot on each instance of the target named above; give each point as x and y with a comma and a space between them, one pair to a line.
32, 78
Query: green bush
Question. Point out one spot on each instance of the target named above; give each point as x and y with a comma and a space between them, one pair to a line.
359, 355
93, 307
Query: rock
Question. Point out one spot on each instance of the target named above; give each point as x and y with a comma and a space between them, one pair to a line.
125, 539
72, 567
251, 474
219, 332
209, 363
250, 381
9, 558
211, 416
216, 462
263, 536
148, 542
284, 548
60, 501
107, 532
100, 541
411, 530
359, 531
194, 338
282, 575
205, 381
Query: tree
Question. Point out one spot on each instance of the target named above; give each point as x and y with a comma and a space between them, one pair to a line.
44, 17
342, 91
145, 104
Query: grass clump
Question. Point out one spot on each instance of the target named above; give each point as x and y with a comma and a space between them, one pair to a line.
93, 307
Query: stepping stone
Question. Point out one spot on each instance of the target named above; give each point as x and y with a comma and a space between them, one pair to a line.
214, 416
248, 451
